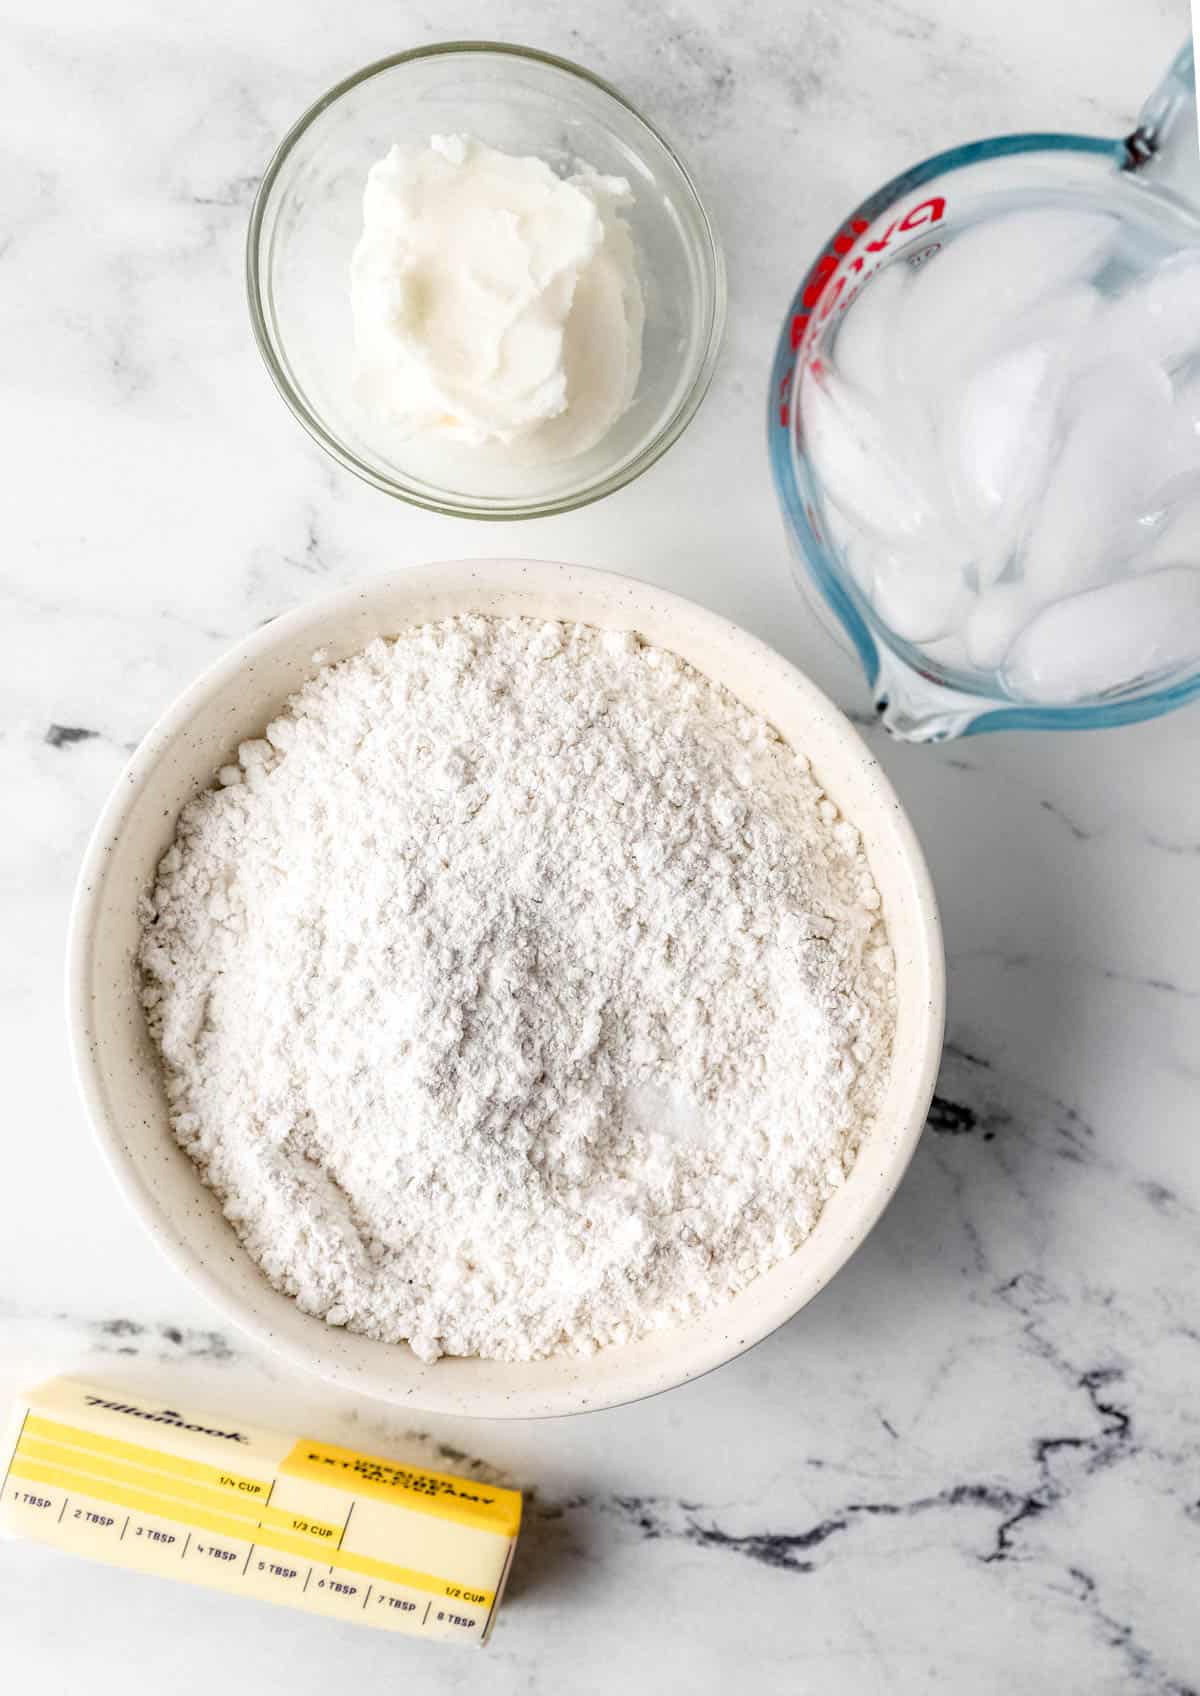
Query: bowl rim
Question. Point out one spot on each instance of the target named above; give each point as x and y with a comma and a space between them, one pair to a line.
467, 507
699, 1354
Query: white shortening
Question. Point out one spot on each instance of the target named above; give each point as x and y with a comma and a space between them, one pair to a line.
495, 303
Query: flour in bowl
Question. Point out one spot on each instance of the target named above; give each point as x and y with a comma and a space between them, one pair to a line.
520, 991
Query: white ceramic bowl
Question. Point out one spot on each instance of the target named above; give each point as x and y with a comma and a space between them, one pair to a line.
118, 1070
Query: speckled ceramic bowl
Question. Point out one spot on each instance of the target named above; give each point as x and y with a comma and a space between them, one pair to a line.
119, 1073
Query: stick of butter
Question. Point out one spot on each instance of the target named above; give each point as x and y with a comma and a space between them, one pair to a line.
129, 1480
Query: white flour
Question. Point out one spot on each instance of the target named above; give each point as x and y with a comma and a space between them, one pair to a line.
520, 992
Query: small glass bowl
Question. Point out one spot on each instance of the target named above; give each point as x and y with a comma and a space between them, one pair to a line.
307, 219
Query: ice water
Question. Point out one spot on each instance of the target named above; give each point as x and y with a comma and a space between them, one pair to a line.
1004, 432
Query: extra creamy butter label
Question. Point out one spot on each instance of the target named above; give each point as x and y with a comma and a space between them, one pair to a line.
153, 1486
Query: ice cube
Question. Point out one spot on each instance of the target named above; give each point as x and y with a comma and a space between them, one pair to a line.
1179, 458
1157, 318
856, 455
1115, 418
948, 651
1182, 455
862, 349
1063, 319
989, 274
1187, 406
858, 557
999, 425
920, 598
1172, 532
837, 532
1107, 639
854, 548
1000, 432
994, 623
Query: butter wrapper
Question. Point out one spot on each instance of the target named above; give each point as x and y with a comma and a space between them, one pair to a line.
217, 1501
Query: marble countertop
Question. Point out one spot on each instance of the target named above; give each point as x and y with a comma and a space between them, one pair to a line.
973, 1464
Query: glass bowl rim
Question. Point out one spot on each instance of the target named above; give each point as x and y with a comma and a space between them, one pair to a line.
713, 260
996, 712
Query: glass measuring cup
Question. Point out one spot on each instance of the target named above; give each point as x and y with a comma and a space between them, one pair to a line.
1153, 176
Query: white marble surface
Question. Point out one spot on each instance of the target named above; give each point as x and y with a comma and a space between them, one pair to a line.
973, 1465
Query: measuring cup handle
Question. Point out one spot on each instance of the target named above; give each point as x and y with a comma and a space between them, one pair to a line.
1164, 149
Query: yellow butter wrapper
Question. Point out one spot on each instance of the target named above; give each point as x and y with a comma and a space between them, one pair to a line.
154, 1486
